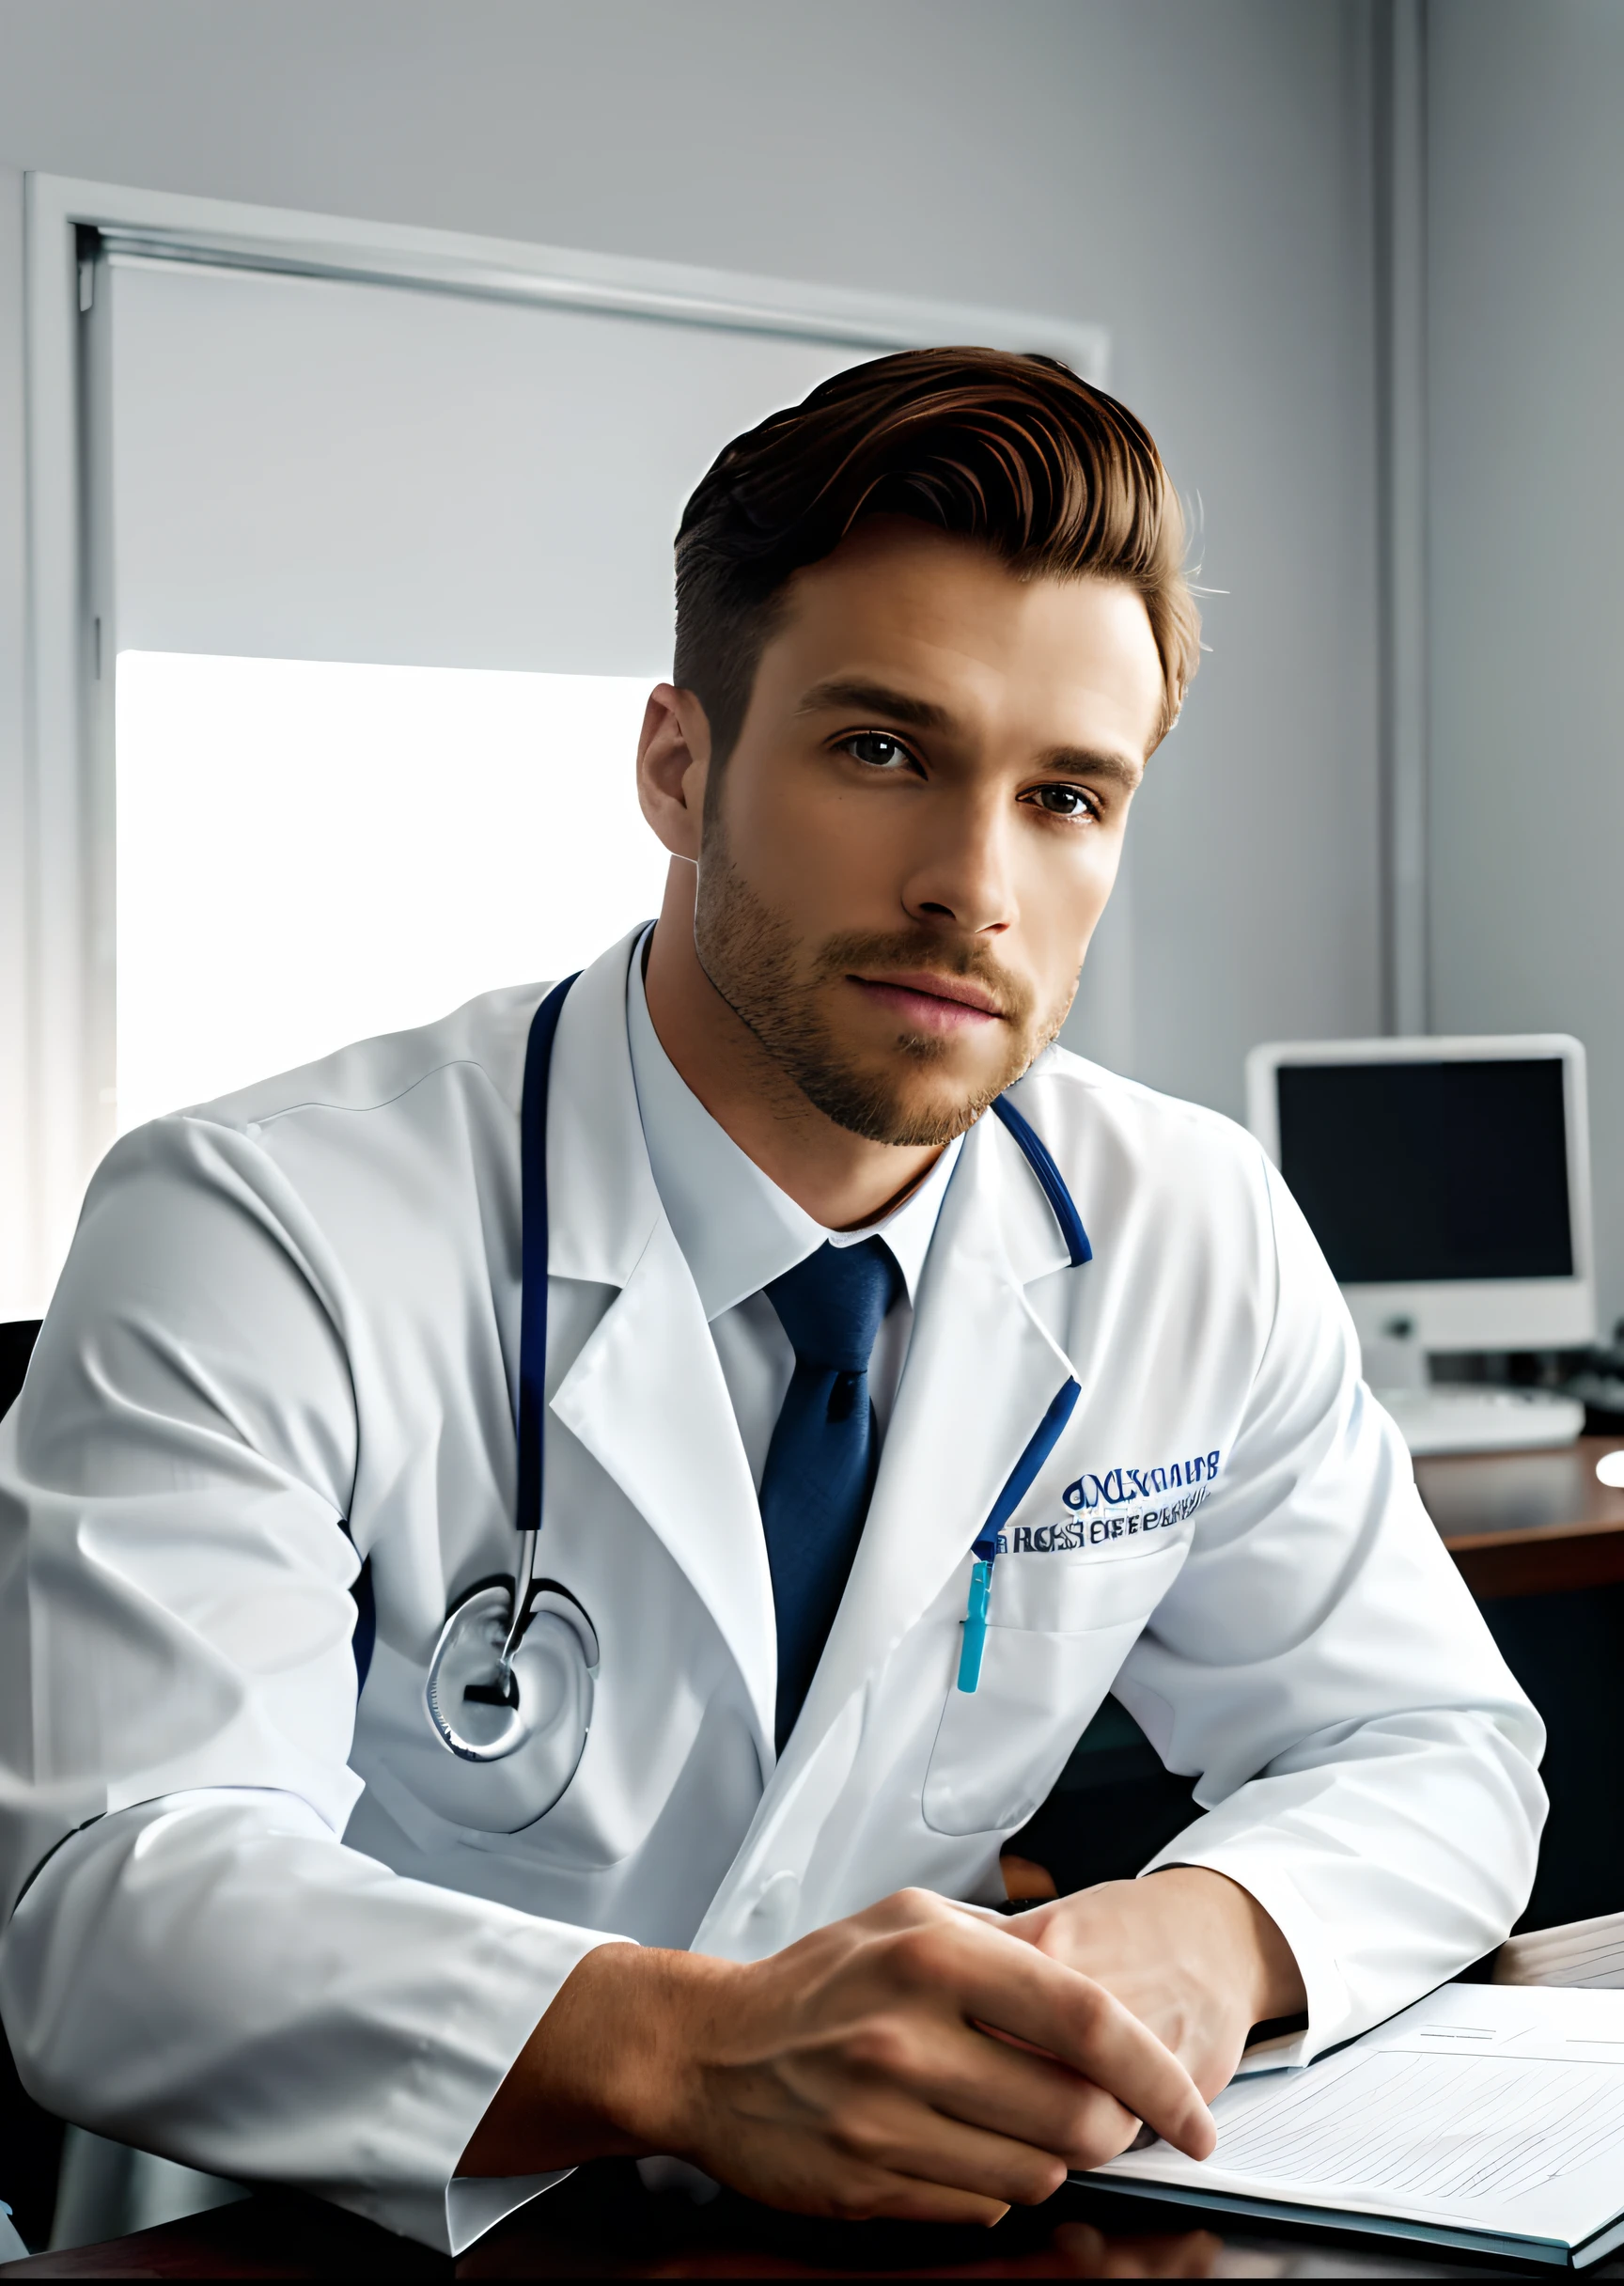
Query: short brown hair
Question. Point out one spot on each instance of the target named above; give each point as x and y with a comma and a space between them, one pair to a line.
1015, 451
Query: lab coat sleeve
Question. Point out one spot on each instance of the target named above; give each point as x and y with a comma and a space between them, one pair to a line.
215, 1977
1366, 1763
199, 1966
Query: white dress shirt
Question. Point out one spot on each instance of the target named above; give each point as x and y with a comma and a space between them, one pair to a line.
738, 1231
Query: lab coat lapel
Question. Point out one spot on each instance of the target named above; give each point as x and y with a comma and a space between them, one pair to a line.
647, 1398
645, 1395
981, 1371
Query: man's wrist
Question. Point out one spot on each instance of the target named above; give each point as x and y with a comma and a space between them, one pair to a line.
1256, 1954
607, 2071
649, 2007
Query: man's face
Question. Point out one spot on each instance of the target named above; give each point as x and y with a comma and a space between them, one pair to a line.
908, 847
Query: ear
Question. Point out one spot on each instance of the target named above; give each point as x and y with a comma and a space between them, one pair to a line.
673, 761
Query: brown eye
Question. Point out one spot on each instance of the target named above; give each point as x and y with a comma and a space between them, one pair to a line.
878, 748
1064, 801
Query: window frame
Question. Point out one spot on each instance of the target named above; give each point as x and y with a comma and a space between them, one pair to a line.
60, 790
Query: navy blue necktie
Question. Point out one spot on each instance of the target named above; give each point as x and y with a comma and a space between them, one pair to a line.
825, 1449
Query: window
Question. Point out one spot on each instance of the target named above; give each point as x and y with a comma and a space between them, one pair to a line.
348, 564
391, 579
311, 852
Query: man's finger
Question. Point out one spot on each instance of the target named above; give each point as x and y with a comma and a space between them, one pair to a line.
898, 2135
1013, 2089
1017, 1989
911, 2199
1009, 2088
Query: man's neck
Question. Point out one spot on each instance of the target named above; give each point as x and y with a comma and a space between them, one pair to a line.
840, 1179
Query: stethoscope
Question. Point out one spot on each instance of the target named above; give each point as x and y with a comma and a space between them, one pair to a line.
516, 1664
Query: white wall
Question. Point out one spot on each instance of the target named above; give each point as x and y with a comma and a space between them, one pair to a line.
1192, 175
1527, 539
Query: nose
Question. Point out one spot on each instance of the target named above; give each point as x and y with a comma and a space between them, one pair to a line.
963, 883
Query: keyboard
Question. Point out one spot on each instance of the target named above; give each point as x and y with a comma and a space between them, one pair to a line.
1453, 1418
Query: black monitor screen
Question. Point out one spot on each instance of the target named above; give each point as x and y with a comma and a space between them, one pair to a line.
1413, 1172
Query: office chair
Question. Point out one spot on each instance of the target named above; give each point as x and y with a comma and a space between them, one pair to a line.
17, 1341
30, 2136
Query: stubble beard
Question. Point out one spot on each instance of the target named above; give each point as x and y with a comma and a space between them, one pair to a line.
749, 954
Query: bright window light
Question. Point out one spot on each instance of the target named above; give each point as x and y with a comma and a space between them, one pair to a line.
310, 854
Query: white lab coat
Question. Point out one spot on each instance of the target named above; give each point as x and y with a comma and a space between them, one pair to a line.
283, 1936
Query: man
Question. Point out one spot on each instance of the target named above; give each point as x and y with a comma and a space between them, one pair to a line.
809, 1308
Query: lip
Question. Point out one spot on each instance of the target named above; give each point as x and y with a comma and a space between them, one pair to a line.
929, 999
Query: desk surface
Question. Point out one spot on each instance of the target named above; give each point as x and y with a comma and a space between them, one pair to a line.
603, 2224
1526, 1523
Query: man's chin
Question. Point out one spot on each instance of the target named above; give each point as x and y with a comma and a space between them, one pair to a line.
902, 1110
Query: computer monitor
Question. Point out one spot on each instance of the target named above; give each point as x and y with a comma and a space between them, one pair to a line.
1448, 1181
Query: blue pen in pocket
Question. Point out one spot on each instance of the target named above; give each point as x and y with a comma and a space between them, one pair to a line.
973, 1644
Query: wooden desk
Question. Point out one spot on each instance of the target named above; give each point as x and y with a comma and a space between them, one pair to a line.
603, 2224
1529, 1522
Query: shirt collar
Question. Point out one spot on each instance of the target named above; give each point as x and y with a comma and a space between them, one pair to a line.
736, 1229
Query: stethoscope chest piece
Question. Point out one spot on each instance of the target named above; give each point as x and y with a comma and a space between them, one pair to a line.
538, 1701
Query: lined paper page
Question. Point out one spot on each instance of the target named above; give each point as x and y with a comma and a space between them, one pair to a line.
1435, 2126
1494, 2109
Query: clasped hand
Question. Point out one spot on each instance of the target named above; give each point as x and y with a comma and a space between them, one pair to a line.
914, 2060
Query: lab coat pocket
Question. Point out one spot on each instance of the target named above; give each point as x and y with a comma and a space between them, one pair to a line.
1000, 1747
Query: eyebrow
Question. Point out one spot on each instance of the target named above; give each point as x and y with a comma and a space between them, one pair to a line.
854, 696
874, 698
1093, 763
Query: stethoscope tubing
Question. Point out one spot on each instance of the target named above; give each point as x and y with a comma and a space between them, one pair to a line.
534, 1249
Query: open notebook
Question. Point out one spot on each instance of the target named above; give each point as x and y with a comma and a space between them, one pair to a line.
1488, 2117
1589, 1953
